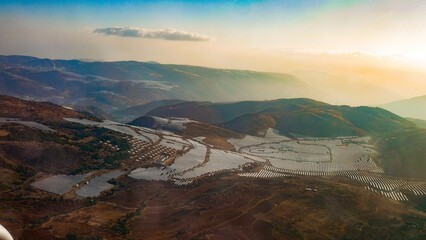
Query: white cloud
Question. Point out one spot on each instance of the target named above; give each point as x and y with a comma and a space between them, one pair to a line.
165, 34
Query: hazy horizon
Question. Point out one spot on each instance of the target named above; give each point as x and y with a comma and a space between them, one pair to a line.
374, 43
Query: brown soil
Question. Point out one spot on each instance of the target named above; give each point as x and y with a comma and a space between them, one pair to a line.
42, 156
227, 207
100, 214
29, 110
219, 142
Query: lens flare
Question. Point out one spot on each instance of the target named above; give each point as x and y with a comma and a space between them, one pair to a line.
4, 234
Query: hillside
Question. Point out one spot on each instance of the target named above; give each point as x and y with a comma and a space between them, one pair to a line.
289, 116
41, 143
325, 121
419, 123
222, 112
12, 84
131, 113
410, 108
211, 134
11, 107
403, 153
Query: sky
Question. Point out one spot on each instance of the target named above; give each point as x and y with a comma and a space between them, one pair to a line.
373, 39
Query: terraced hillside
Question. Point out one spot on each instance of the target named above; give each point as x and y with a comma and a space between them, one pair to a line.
29, 110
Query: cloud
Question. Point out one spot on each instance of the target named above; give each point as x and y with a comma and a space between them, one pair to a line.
165, 34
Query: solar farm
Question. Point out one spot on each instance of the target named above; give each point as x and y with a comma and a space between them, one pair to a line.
157, 155
59, 184
96, 185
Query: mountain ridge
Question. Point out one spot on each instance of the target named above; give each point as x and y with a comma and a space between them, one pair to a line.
290, 116
93, 83
73, 82
411, 108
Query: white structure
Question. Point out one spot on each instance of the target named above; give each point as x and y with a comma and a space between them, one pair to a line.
98, 184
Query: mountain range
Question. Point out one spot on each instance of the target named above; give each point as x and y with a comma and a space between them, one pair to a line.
117, 85
112, 86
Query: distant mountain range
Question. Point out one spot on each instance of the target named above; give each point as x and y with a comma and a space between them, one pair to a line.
112, 86
411, 108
